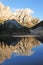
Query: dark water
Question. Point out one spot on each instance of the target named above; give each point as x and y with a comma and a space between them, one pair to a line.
34, 59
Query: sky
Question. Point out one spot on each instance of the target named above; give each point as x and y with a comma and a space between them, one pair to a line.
35, 5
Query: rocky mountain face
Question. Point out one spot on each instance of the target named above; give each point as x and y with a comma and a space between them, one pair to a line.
21, 16
24, 46
25, 19
5, 13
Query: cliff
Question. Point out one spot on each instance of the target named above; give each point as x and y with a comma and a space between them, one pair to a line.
24, 46
22, 16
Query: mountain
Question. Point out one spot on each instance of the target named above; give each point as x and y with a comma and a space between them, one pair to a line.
5, 13
26, 20
24, 45
21, 16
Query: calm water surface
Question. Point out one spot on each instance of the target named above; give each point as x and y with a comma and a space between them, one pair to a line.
34, 59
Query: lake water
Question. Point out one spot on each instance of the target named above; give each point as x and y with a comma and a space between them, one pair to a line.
35, 59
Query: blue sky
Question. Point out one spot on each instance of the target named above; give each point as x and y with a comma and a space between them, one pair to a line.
35, 5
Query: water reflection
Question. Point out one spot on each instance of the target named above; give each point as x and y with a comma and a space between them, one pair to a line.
23, 47
35, 59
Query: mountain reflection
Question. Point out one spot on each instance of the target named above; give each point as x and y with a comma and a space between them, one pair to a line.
20, 46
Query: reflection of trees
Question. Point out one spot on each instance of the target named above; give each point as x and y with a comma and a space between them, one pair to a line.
8, 44
16, 44
12, 27
22, 47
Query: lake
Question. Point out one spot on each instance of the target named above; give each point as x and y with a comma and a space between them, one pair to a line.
35, 59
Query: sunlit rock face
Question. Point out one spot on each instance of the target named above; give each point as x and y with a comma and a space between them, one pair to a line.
5, 13
23, 47
25, 19
22, 16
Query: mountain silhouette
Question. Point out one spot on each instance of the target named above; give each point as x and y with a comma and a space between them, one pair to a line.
12, 27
